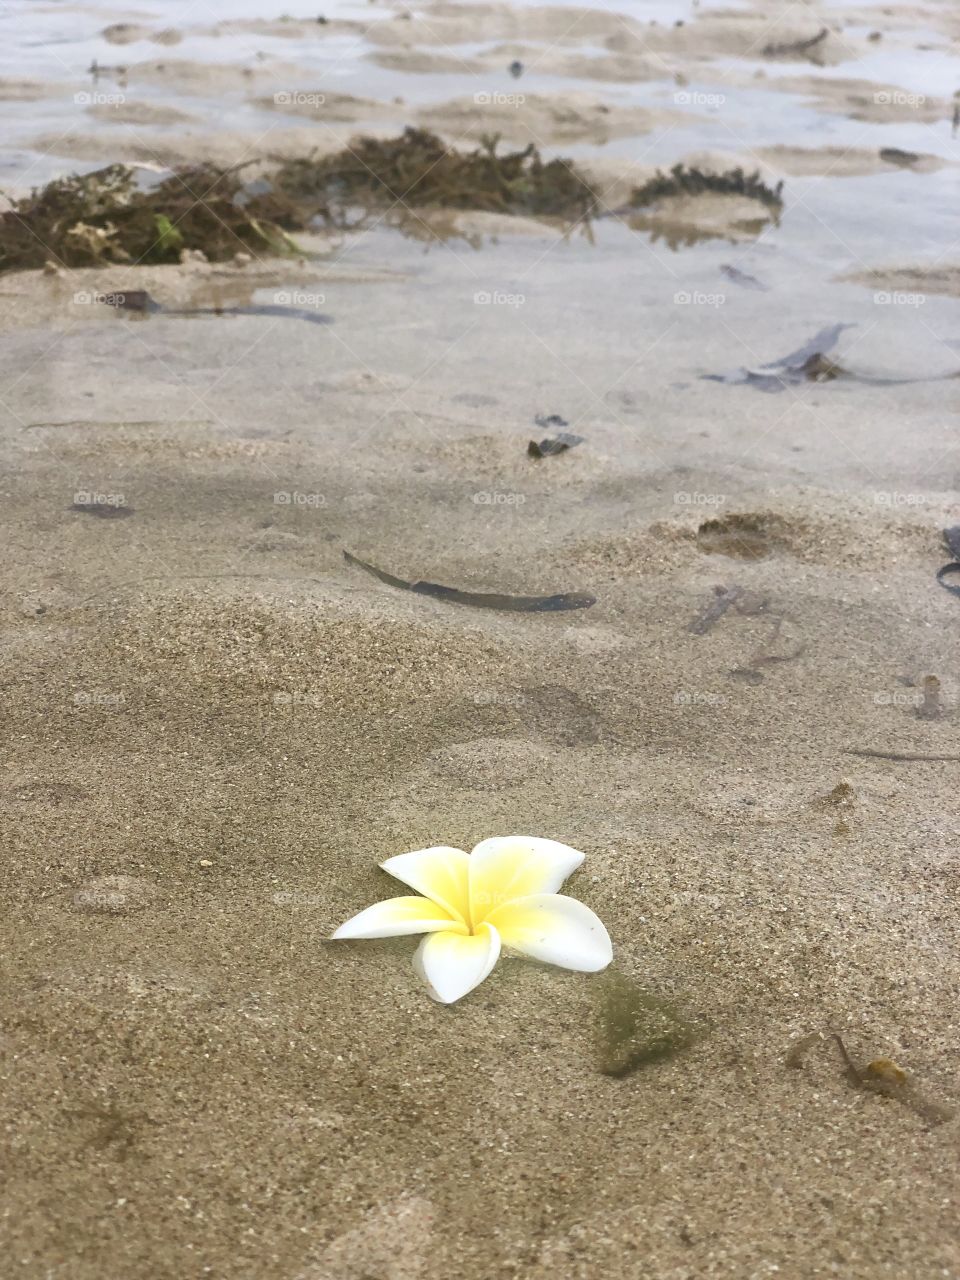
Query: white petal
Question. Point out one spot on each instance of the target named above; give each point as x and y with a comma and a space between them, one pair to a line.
508, 867
398, 916
558, 930
452, 964
440, 873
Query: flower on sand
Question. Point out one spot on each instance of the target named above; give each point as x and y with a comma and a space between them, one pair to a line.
505, 891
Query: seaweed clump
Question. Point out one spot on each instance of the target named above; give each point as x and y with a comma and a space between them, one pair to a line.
418, 170
636, 1027
105, 217
682, 181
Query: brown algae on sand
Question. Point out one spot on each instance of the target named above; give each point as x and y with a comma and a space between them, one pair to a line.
681, 181
843, 796
418, 169
112, 216
635, 1027
106, 217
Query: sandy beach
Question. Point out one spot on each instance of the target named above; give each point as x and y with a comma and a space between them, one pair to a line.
217, 727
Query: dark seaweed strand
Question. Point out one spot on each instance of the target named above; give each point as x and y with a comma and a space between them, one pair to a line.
479, 599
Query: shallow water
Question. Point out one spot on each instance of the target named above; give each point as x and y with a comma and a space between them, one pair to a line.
217, 726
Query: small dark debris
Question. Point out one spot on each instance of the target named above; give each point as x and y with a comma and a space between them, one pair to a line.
102, 510
893, 155
930, 708
818, 368
742, 599
841, 797
549, 446
706, 619
516, 68
790, 48
138, 300
811, 364
797, 366
742, 278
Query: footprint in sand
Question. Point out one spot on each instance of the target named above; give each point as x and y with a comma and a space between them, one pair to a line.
742, 537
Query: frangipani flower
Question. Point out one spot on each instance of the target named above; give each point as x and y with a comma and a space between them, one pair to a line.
505, 891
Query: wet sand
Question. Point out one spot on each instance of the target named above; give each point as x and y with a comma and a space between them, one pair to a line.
217, 728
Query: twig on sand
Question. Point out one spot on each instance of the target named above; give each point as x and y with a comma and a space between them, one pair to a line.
880, 1075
